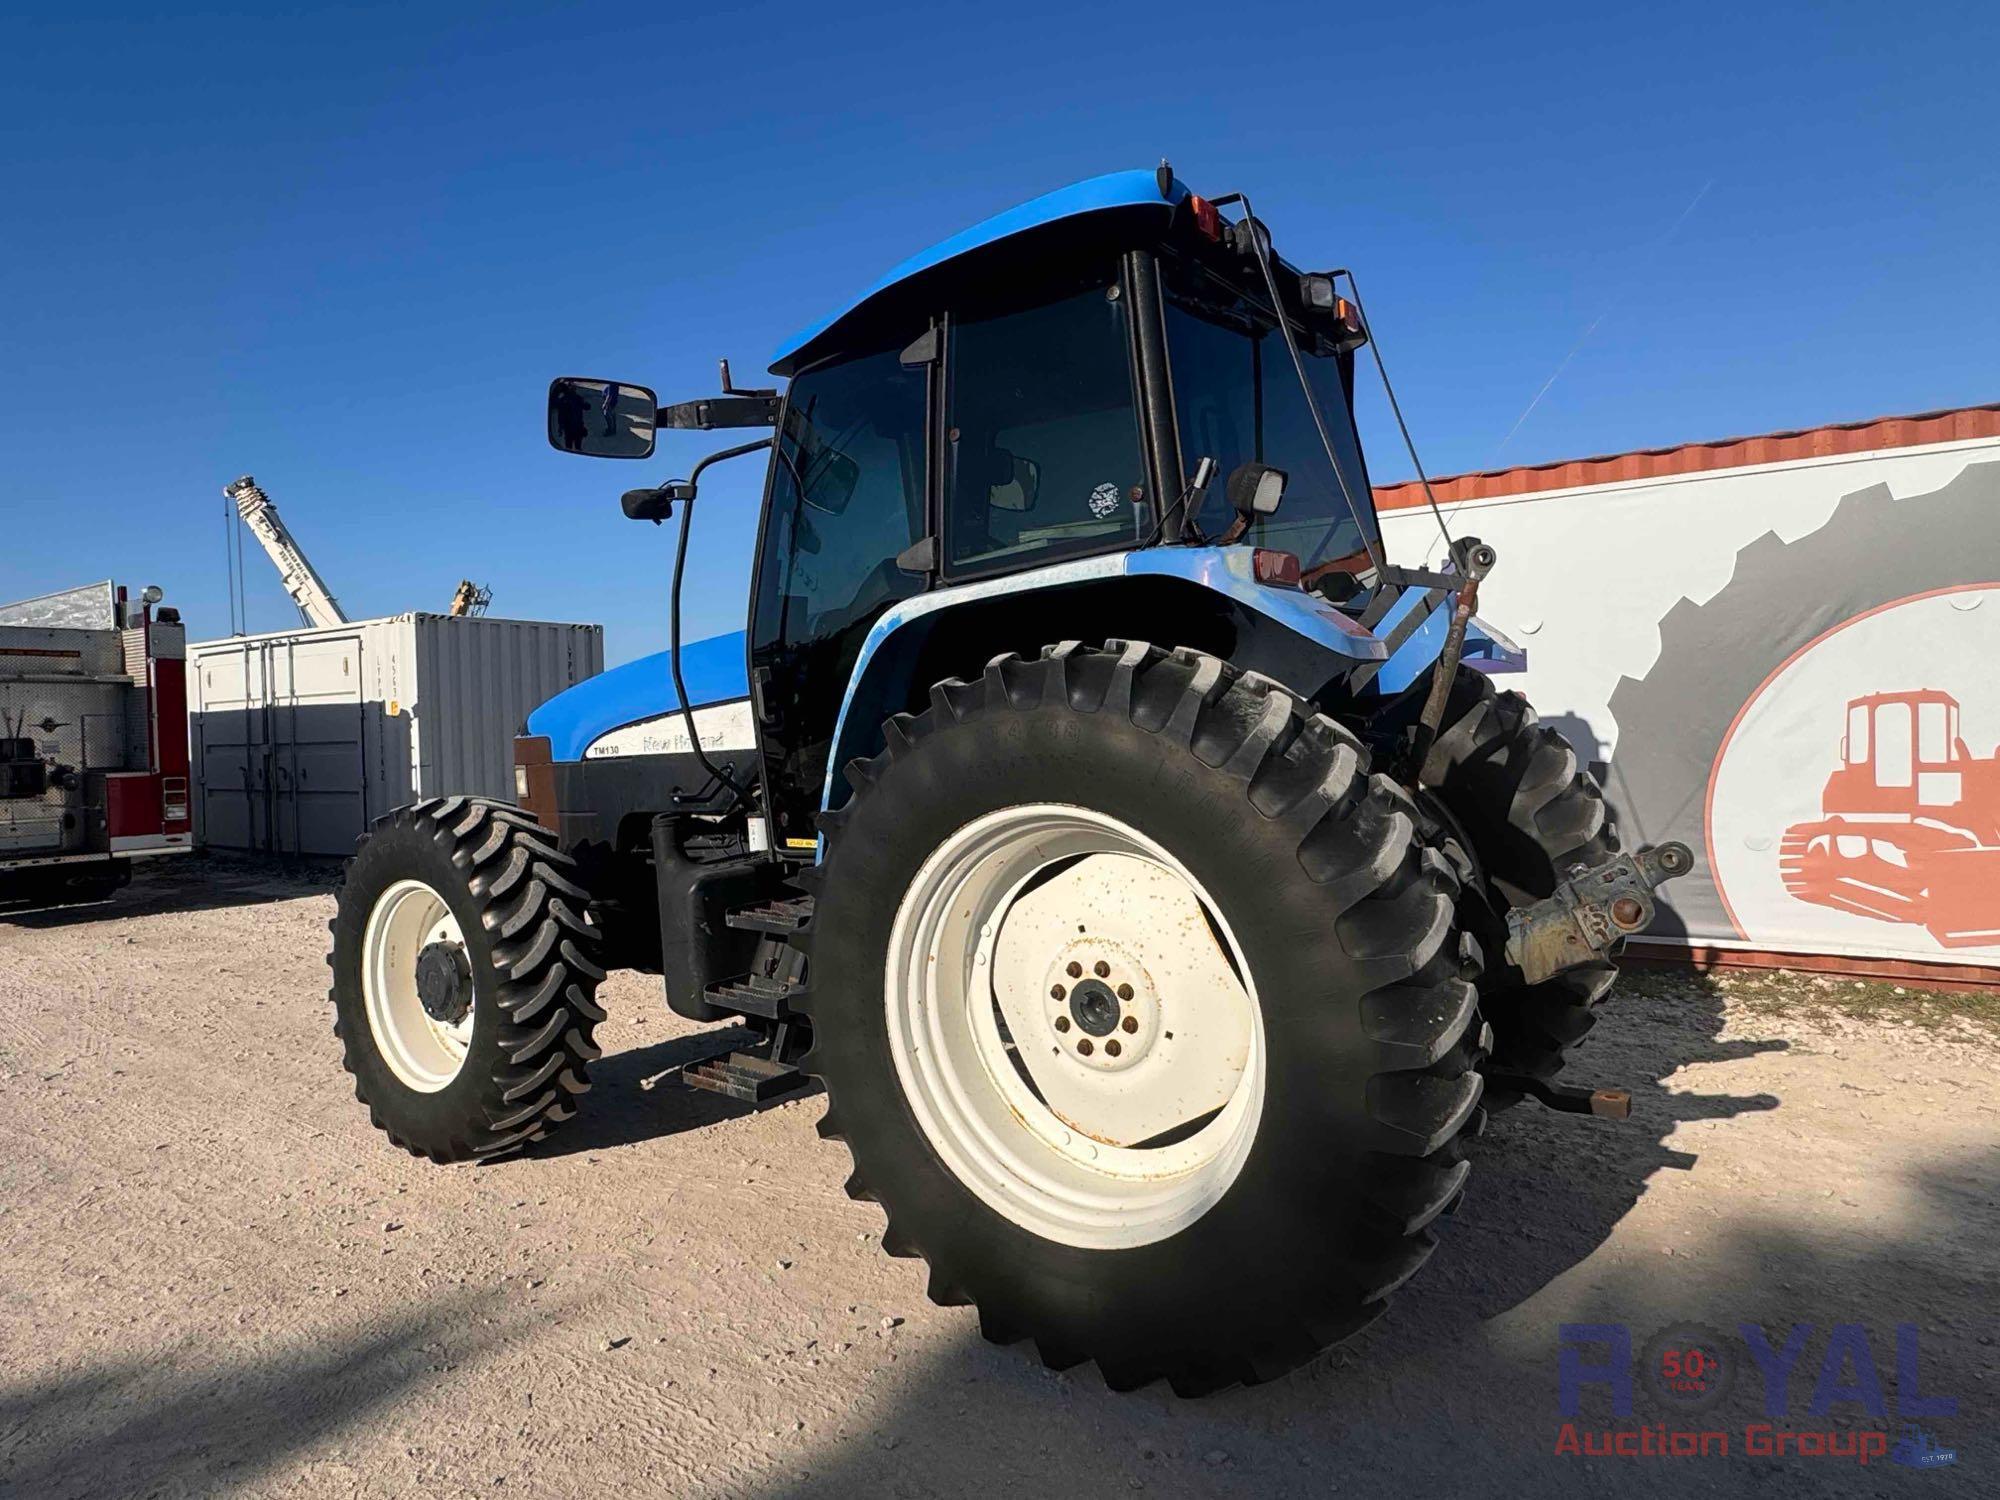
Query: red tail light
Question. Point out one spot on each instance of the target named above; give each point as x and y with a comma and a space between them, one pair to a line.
1280, 569
1206, 219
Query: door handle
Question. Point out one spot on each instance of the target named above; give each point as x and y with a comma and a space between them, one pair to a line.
760, 679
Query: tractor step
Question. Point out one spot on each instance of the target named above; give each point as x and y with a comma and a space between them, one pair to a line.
743, 1075
789, 915
755, 995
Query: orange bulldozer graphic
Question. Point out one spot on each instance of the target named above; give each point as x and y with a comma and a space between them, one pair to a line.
1911, 831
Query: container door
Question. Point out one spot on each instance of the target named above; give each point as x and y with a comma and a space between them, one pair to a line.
318, 732
228, 732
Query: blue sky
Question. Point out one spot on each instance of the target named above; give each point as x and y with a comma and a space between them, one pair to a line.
241, 241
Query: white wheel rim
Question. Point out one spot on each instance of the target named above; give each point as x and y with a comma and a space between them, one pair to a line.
1073, 1151
422, 1051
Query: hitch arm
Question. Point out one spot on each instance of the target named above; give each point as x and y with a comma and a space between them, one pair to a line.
1471, 561
1591, 911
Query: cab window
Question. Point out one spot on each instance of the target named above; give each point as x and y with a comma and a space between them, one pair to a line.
847, 496
1042, 453
1238, 399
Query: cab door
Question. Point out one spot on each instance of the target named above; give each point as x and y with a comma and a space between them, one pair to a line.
848, 495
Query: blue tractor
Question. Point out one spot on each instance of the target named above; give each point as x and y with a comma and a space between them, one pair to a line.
1143, 863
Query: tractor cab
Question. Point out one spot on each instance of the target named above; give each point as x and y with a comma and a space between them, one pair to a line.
1028, 403
1112, 369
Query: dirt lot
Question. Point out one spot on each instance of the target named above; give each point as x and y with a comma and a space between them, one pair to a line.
220, 1279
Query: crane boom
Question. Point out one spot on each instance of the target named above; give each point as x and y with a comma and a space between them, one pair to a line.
309, 592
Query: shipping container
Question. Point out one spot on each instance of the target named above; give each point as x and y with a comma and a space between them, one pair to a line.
302, 738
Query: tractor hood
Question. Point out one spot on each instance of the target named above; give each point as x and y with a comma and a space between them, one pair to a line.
716, 671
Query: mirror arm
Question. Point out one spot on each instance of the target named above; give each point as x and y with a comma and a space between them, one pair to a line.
725, 453
657, 504
710, 412
674, 611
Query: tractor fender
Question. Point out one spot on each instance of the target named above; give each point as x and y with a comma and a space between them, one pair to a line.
1205, 597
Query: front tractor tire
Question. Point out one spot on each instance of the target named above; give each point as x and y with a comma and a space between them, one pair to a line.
465, 971
1142, 1008
1512, 786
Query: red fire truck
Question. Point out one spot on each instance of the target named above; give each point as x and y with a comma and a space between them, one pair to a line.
93, 742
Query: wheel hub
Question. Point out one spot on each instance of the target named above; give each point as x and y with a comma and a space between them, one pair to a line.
1144, 1024
1103, 1010
416, 982
1072, 1025
1094, 1007
444, 982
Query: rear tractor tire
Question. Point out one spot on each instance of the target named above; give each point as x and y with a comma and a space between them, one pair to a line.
1143, 1009
1512, 786
465, 972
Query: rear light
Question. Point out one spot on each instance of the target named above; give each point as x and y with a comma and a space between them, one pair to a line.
1206, 219
1280, 569
173, 799
521, 783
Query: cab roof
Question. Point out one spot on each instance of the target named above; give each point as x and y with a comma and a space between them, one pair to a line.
1113, 193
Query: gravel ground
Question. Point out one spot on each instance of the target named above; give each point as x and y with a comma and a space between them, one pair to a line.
219, 1279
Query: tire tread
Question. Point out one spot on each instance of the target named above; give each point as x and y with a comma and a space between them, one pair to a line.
1391, 879
547, 962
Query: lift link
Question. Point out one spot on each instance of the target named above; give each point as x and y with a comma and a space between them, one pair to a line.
1471, 561
1605, 1104
1591, 911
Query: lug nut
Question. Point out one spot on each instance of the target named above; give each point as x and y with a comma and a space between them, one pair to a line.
1062, 1023
1103, 968
1124, 992
1056, 992
1130, 1023
1075, 969
1084, 1047
1111, 1048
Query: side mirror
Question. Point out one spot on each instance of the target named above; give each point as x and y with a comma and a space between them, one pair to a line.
657, 504
602, 418
1255, 489
1016, 483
